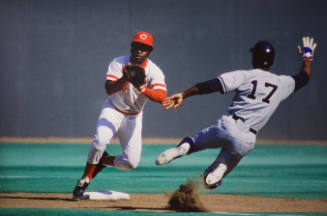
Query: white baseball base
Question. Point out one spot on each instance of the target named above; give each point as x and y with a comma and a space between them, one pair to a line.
105, 195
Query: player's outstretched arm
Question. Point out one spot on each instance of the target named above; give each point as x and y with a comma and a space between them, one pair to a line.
306, 52
206, 87
173, 101
176, 100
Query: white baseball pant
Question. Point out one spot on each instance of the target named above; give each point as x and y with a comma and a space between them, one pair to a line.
129, 131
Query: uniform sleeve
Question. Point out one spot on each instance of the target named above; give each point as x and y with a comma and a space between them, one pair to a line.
287, 84
230, 81
157, 80
114, 72
210, 86
301, 79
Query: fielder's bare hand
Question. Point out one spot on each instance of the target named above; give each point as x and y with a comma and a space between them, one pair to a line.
173, 101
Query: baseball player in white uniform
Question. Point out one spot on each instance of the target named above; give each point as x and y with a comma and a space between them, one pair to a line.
258, 93
122, 113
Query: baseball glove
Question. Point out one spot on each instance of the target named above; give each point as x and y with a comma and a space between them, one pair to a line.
135, 75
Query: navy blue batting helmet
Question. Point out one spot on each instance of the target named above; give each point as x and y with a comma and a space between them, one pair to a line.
263, 54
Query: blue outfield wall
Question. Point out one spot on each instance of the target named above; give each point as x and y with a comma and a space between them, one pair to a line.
54, 56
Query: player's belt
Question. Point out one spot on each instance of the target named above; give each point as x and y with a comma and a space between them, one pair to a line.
125, 112
236, 117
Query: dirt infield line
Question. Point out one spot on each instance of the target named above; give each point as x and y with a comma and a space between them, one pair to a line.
158, 203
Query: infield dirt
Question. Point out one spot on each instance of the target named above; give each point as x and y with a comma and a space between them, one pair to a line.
159, 203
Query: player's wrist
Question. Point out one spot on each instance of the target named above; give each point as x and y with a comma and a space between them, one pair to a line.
142, 88
307, 59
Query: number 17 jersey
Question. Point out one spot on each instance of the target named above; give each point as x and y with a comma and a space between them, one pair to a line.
257, 94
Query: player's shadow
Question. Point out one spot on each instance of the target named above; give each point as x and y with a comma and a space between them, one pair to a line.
38, 198
129, 208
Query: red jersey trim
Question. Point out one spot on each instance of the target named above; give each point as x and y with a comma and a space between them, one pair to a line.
158, 84
112, 76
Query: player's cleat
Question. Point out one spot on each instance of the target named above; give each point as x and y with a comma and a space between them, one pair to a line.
100, 166
171, 154
80, 188
213, 179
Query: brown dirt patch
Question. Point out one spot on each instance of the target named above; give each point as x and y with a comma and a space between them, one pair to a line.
186, 198
159, 203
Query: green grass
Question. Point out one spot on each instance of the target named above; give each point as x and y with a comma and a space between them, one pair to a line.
278, 171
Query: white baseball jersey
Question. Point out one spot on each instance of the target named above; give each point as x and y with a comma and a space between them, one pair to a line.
258, 94
130, 99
